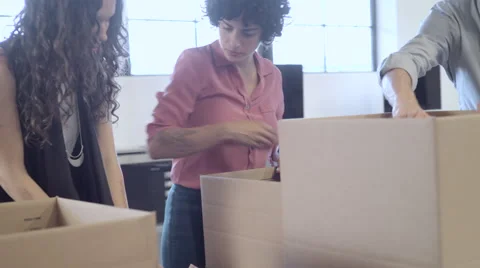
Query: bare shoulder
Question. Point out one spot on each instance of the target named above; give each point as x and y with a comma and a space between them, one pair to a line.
4, 70
9, 118
7, 82
11, 144
3, 57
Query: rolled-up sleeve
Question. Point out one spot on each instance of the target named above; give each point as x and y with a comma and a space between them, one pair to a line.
177, 102
431, 47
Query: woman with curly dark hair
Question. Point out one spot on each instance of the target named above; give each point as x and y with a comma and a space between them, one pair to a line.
218, 114
57, 100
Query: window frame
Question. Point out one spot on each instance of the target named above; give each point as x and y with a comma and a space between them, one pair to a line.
267, 52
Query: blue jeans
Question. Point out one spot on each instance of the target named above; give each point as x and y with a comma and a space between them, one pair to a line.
182, 236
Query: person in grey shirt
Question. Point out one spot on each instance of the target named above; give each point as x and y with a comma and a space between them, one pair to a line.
450, 37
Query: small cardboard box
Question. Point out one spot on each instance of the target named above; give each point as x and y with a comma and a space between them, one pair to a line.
60, 233
378, 192
242, 219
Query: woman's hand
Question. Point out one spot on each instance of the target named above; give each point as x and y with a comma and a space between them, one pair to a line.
251, 133
276, 159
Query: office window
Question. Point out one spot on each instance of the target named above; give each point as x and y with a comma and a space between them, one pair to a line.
8, 10
322, 35
327, 36
159, 32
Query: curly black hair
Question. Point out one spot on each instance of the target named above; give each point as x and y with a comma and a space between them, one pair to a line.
268, 14
52, 55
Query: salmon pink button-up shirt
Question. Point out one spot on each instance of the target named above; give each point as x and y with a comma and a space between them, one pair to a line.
206, 89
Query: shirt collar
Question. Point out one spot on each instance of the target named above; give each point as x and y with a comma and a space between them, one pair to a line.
219, 59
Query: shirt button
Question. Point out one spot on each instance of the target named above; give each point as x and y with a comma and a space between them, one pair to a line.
247, 106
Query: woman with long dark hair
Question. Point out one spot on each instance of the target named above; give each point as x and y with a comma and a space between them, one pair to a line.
57, 102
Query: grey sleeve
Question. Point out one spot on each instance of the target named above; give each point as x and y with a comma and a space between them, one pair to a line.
431, 47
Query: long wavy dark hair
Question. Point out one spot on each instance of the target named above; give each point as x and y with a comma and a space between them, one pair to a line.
52, 55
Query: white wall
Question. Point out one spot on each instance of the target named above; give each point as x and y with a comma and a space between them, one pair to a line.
324, 94
341, 94
137, 101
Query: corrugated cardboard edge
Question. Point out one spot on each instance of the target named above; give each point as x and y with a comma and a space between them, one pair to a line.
458, 213
265, 174
439, 245
16, 204
436, 114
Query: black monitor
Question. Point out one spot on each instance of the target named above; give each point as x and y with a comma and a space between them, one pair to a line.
292, 90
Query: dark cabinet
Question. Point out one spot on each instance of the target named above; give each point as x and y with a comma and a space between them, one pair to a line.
145, 186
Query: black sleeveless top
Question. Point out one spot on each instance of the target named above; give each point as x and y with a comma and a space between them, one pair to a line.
49, 167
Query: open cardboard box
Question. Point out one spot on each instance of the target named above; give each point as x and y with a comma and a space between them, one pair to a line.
366, 191
242, 219
60, 233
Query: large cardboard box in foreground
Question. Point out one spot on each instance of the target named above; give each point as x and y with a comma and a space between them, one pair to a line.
242, 217
379, 192
61, 233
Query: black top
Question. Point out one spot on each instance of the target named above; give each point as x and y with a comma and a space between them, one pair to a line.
49, 166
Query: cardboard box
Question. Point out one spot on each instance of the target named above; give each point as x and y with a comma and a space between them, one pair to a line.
61, 233
377, 192
242, 219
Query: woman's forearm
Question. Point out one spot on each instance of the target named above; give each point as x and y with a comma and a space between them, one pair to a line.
116, 184
21, 187
110, 163
182, 142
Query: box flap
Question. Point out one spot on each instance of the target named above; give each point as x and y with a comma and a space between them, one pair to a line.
228, 190
126, 243
242, 219
444, 113
119, 238
458, 147
251, 174
74, 212
28, 216
344, 191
